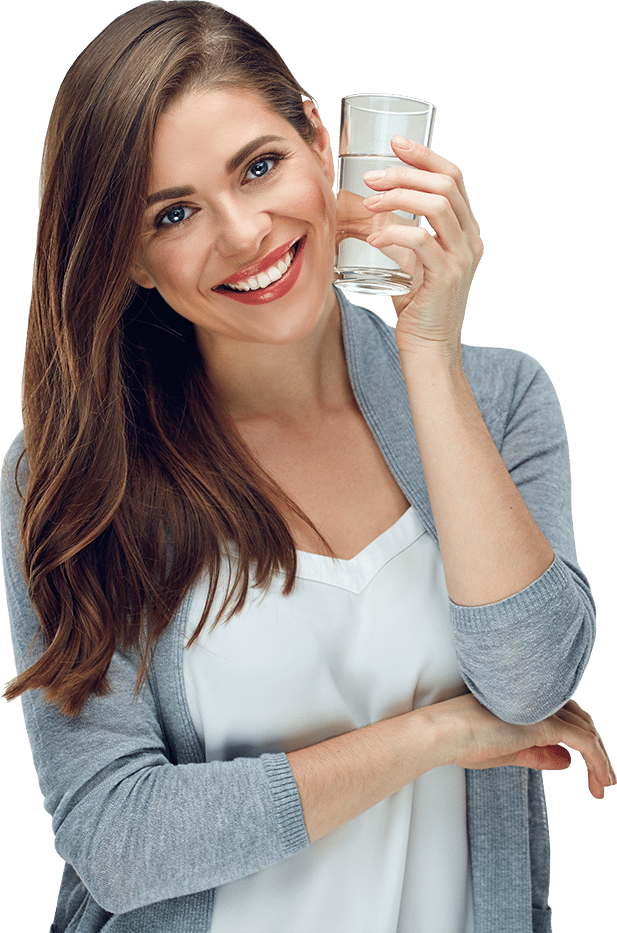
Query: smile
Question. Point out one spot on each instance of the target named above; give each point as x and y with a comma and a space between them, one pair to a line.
263, 279
268, 280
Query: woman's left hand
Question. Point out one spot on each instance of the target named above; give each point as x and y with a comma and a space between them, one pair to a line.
442, 265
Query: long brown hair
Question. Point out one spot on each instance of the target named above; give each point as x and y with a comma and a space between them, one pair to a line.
137, 479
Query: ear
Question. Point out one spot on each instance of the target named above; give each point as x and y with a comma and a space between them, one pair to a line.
321, 144
141, 277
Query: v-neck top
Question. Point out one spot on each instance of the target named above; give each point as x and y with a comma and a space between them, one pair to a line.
355, 642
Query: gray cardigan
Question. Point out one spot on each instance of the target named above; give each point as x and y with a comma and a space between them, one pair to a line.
148, 829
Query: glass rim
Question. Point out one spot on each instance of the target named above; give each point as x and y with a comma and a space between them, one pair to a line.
416, 100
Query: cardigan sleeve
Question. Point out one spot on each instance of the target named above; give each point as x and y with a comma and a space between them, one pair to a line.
523, 657
137, 827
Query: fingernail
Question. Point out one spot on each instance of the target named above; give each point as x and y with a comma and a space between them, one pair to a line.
373, 176
373, 200
401, 142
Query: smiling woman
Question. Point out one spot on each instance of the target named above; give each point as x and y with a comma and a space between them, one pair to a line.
255, 198
294, 596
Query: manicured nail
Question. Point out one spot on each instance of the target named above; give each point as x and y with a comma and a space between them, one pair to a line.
402, 143
373, 200
373, 176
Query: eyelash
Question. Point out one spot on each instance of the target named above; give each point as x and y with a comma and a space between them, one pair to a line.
276, 157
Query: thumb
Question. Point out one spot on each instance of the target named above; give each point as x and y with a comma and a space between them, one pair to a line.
544, 758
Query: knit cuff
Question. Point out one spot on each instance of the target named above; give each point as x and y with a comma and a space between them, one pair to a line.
513, 610
286, 802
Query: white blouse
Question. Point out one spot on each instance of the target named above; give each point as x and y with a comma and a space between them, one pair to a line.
357, 641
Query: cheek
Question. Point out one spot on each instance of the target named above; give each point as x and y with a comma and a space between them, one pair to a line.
175, 266
312, 200
320, 206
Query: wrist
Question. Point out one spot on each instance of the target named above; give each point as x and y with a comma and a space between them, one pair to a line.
417, 744
437, 735
436, 351
434, 373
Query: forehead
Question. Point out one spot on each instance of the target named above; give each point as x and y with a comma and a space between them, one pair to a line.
212, 123
214, 105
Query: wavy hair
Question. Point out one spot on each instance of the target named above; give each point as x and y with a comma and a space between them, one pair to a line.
137, 479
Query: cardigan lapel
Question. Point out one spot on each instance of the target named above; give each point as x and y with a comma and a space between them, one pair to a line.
497, 798
381, 394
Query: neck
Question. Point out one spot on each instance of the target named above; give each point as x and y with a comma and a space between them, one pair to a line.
290, 381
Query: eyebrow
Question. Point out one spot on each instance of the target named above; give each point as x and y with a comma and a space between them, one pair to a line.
231, 165
168, 194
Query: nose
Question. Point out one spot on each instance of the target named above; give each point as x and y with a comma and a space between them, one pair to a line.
241, 228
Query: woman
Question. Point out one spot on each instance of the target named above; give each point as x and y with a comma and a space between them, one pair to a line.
222, 454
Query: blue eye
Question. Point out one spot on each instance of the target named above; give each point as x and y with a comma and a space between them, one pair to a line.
261, 167
175, 216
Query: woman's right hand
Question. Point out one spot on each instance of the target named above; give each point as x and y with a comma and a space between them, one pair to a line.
470, 736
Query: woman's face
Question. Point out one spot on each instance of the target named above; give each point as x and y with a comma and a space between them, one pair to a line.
237, 199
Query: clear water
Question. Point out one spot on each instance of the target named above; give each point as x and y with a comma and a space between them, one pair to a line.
360, 267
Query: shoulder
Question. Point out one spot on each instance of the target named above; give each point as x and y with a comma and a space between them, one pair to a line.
486, 366
15, 452
515, 396
498, 376
14, 477
502, 379
511, 388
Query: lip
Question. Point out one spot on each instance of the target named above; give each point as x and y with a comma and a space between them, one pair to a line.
260, 266
278, 288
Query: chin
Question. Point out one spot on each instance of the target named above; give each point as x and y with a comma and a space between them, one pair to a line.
293, 324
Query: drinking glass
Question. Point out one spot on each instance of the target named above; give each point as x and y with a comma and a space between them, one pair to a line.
368, 123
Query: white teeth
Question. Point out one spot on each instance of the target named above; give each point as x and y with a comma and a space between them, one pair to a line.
263, 279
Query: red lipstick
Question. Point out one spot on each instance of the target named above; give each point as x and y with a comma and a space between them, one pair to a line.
260, 266
272, 292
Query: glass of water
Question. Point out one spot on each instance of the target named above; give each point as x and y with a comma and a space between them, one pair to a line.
368, 123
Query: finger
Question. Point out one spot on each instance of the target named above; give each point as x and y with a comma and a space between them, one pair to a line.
419, 241
436, 208
555, 758
587, 742
573, 708
596, 788
424, 158
539, 758
574, 714
544, 758
444, 186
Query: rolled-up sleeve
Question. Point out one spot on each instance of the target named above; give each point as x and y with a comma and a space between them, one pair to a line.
523, 657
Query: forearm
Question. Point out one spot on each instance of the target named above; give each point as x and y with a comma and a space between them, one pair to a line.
342, 777
490, 544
